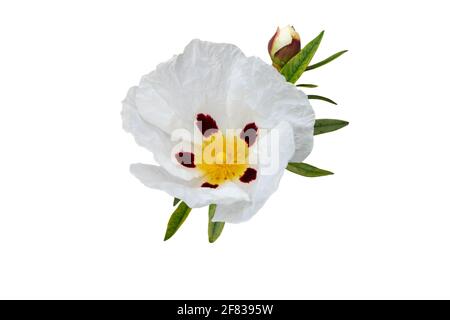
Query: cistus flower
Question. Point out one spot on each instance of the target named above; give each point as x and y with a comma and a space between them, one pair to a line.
283, 46
208, 90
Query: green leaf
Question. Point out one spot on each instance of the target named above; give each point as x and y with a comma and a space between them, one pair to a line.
214, 228
176, 220
327, 60
315, 97
307, 85
175, 201
307, 170
328, 125
295, 67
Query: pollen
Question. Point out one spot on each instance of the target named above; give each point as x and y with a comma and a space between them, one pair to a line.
222, 158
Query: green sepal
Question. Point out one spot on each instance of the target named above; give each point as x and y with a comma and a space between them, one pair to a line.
307, 170
327, 60
316, 97
176, 220
328, 125
295, 67
214, 228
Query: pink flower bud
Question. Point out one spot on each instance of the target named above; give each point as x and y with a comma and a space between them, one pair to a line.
284, 45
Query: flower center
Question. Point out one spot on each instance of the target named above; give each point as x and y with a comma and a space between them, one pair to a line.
222, 158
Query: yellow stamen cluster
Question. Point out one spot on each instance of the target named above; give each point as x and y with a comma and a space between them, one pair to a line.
222, 158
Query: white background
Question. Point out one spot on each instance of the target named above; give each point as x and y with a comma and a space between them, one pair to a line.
75, 224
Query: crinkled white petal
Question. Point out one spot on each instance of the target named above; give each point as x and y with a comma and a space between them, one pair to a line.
193, 82
189, 191
152, 138
265, 184
303, 129
260, 92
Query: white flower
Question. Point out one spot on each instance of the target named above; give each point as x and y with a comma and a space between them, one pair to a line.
216, 87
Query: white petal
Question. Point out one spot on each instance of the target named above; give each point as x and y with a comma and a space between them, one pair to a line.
153, 138
191, 83
265, 184
259, 93
189, 191
303, 129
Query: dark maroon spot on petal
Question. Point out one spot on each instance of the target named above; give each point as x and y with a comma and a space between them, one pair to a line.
249, 175
209, 185
186, 159
249, 133
206, 124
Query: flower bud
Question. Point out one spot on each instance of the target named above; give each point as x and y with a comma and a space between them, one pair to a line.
283, 46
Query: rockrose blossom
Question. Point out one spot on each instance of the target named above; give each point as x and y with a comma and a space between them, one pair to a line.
229, 100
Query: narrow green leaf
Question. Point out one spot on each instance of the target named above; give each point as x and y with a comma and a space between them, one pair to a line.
307, 85
175, 201
295, 67
328, 125
214, 228
312, 97
176, 220
327, 60
307, 170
